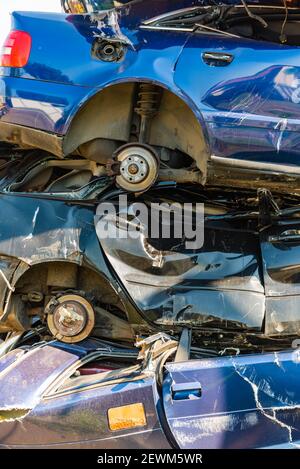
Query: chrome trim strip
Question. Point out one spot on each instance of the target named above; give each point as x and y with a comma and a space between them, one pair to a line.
167, 28
172, 13
256, 165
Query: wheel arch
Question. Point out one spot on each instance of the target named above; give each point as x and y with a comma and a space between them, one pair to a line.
68, 275
106, 114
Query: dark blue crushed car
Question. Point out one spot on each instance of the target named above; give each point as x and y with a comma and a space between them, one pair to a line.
181, 102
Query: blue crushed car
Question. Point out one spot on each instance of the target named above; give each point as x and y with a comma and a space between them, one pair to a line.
189, 103
198, 91
217, 326
167, 396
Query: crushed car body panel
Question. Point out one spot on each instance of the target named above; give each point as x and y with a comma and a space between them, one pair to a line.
235, 402
204, 97
242, 278
240, 287
34, 371
224, 402
242, 91
48, 233
74, 411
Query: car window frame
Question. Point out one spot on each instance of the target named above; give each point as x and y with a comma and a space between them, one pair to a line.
151, 24
55, 389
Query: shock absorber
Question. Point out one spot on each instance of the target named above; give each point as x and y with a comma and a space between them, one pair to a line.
148, 102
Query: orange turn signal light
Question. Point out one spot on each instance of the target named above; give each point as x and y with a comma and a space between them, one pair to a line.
125, 417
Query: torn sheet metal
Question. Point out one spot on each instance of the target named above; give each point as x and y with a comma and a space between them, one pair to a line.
102, 25
40, 230
108, 27
217, 285
241, 279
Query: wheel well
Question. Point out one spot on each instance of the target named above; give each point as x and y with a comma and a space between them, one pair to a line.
108, 116
77, 296
63, 276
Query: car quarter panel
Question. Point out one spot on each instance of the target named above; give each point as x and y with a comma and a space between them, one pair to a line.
29, 375
79, 417
38, 104
86, 417
50, 106
42, 231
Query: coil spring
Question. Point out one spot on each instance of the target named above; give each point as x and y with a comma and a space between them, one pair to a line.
148, 100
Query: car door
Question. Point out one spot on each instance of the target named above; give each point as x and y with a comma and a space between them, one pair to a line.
247, 94
280, 248
236, 402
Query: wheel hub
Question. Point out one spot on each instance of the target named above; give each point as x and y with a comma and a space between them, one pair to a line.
139, 165
134, 169
71, 318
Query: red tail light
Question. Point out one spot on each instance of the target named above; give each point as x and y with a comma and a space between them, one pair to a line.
16, 50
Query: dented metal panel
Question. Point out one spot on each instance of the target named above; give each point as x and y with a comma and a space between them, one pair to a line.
75, 415
280, 251
26, 380
40, 232
219, 284
235, 402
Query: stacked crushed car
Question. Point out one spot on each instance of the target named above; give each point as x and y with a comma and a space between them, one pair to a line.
117, 341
